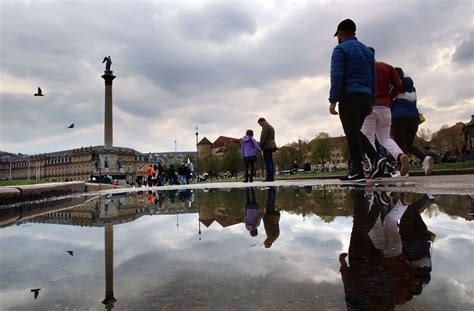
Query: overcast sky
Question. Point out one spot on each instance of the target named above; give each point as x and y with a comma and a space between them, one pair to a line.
217, 65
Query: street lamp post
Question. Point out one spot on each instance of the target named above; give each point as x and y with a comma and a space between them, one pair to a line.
197, 155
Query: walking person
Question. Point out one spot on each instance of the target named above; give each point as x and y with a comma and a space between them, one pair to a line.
268, 145
161, 172
172, 178
388, 85
149, 175
140, 176
353, 86
405, 121
250, 148
155, 175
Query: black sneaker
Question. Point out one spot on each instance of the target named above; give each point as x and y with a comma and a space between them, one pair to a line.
378, 168
353, 177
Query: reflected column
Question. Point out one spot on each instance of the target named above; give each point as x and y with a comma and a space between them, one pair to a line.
109, 267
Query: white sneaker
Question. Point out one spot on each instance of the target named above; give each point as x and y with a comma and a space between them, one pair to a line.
427, 165
398, 174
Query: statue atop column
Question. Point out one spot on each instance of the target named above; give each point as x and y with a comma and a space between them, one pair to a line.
108, 62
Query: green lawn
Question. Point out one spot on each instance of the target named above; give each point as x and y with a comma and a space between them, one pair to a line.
456, 165
440, 166
21, 182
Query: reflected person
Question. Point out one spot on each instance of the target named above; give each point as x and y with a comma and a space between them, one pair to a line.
384, 234
416, 243
271, 219
365, 276
253, 215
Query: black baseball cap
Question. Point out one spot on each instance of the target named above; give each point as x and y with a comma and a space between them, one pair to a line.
347, 24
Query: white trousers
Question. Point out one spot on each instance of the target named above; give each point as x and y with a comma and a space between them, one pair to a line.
385, 236
378, 124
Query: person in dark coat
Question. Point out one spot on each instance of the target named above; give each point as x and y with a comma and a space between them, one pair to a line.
271, 219
268, 145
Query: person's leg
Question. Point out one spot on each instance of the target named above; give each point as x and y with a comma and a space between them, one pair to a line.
399, 132
272, 167
252, 170
267, 156
383, 136
247, 163
369, 127
363, 101
384, 117
392, 237
377, 162
349, 114
411, 134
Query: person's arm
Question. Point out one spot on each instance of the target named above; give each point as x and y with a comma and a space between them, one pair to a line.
396, 84
373, 82
263, 136
256, 146
337, 74
342, 260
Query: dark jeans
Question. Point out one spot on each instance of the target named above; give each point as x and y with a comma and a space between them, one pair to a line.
404, 133
269, 168
249, 169
353, 108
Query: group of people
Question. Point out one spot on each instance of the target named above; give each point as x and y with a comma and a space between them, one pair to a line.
389, 258
377, 104
250, 149
157, 175
377, 108
270, 216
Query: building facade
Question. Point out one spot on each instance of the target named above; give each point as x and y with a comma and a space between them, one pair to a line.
74, 164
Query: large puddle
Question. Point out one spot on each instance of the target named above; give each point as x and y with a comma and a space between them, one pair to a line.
292, 248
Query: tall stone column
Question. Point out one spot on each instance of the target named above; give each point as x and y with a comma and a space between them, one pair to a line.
109, 267
108, 119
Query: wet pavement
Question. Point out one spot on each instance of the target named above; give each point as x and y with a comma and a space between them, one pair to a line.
292, 247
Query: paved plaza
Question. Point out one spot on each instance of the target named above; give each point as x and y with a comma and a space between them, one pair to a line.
449, 184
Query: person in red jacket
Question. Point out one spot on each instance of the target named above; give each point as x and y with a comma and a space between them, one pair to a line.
378, 123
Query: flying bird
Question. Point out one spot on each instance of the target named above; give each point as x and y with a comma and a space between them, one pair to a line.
71, 126
70, 253
40, 92
36, 291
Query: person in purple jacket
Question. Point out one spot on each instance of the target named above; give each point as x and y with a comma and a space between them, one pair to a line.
250, 148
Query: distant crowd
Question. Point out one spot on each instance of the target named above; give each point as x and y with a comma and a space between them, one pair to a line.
157, 175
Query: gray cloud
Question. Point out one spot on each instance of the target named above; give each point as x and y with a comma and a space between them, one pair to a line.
216, 65
465, 50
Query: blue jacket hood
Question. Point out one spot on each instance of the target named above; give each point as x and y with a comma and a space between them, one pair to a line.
408, 85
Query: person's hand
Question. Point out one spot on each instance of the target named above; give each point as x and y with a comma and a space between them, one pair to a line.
332, 109
342, 259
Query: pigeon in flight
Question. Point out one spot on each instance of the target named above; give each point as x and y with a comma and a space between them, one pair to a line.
71, 126
70, 253
40, 92
36, 291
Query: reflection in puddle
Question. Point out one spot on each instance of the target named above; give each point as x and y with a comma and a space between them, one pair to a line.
270, 248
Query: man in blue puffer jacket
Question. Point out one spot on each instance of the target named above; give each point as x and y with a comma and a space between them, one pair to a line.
353, 86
